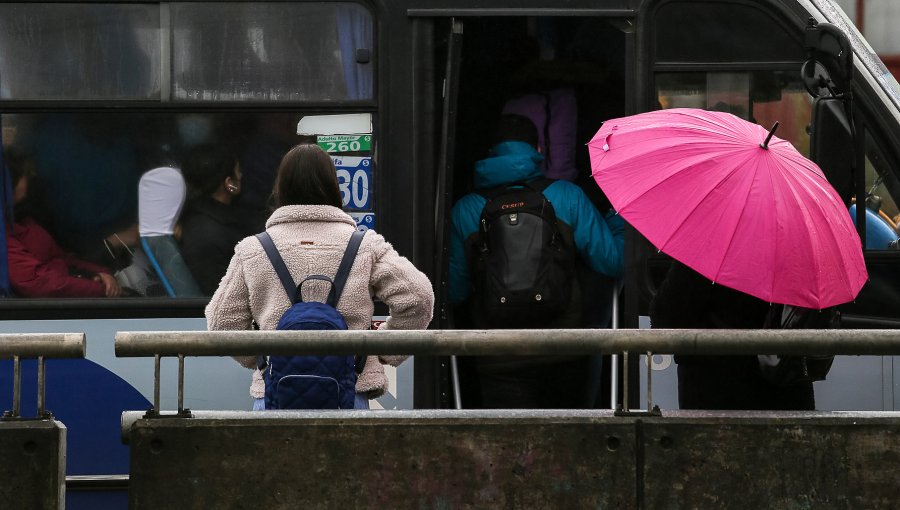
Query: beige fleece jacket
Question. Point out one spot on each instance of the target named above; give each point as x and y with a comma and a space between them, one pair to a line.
312, 240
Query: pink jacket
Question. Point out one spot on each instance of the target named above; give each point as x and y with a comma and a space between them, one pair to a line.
311, 240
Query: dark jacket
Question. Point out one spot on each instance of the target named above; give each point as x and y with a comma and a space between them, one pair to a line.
209, 232
687, 300
38, 267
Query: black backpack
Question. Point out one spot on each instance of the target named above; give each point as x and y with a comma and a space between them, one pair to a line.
792, 370
523, 267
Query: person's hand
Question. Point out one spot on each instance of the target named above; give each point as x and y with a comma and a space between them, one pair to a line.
110, 284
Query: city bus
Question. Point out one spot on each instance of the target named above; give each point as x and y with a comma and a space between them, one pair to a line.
402, 93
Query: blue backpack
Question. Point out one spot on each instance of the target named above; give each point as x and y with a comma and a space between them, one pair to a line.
311, 382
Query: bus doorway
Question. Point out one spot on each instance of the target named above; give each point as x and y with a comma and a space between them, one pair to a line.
567, 74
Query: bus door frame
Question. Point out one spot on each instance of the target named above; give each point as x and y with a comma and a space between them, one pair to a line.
441, 389
444, 194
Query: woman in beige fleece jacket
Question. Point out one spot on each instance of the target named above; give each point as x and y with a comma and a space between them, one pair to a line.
311, 232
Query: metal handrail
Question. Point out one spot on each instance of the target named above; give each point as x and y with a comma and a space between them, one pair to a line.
500, 342
97, 482
509, 342
48, 345
39, 346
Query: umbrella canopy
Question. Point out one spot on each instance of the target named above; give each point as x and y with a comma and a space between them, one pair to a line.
729, 200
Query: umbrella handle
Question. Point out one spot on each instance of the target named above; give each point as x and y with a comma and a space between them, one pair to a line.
765, 144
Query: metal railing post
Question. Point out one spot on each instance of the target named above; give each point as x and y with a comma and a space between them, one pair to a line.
614, 359
649, 380
39, 346
17, 387
180, 383
42, 383
156, 383
454, 379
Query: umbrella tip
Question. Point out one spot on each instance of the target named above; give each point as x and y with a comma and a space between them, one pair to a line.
765, 144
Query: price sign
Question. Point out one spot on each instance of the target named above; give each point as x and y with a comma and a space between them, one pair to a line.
364, 221
354, 177
345, 143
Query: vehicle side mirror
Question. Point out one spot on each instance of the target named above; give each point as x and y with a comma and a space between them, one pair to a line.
831, 144
830, 63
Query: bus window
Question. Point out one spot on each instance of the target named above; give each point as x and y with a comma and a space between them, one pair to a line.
721, 32
80, 51
88, 167
272, 51
219, 51
98, 94
882, 193
763, 97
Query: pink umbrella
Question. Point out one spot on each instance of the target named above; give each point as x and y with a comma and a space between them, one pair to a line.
731, 201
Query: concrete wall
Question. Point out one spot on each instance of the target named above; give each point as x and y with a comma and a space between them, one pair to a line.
539, 459
33, 466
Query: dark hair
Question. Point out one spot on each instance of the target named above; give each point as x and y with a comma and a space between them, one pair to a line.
512, 127
306, 176
206, 166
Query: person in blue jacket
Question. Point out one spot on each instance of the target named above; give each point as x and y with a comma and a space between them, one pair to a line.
545, 381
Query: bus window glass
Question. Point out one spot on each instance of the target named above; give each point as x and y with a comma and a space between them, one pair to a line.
87, 169
763, 97
705, 31
882, 193
79, 51
272, 51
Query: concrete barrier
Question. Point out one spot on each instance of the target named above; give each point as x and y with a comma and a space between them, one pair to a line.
511, 459
514, 459
33, 469
771, 460
34, 463
410, 459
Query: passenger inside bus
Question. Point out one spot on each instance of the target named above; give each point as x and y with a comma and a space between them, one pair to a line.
688, 300
38, 267
212, 223
88, 168
516, 381
570, 71
161, 196
554, 112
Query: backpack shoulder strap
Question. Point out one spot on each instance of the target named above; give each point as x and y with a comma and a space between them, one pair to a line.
278, 263
340, 278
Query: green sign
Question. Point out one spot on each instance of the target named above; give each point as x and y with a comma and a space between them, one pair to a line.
345, 143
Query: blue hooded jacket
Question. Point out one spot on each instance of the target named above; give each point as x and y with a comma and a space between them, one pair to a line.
599, 241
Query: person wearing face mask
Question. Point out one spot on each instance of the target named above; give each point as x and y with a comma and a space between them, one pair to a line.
212, 224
